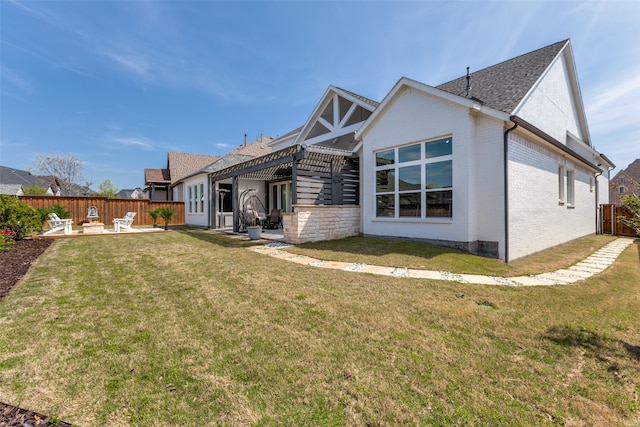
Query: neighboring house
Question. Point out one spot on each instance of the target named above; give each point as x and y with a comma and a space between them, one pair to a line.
11, 189
498, 162
10, 178
158, 182
195, 190
136, 193
626, 181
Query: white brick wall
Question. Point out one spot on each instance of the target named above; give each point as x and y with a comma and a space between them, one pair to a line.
537, 220
313, 223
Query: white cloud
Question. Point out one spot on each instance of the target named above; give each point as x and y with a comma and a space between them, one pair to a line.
16, 80
138, 142
616, 105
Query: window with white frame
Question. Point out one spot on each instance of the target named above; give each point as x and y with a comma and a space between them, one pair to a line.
561, 184
196, 198
415, 180
201, 197
570, 188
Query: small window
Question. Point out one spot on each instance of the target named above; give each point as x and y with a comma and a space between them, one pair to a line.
201, 197
561, 184
622, 190
570, 188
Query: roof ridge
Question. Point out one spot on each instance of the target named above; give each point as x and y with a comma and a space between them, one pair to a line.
562, 42
360, 97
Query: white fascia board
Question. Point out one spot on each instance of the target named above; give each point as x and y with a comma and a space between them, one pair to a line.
316, 111
328, 96
406, 83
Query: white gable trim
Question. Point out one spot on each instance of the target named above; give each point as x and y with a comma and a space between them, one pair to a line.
567, 53
338, 128
405, 83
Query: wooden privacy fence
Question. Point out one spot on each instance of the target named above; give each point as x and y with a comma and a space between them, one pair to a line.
609, 216
109, 208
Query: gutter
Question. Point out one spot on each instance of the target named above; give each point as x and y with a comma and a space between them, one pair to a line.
506, 188
554, 142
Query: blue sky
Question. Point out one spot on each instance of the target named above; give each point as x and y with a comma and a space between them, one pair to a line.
120, 83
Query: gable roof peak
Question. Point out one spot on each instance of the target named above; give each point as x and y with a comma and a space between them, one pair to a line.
502, 86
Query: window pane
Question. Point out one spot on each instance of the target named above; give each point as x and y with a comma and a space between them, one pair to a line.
440, 147
570, 198
408, 154
385, 205
385, 180
201, 197
410, 204
439, 204
385, 158
439, 175
409, 178
274, 197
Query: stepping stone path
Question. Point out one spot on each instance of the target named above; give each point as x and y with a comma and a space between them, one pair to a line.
594, 264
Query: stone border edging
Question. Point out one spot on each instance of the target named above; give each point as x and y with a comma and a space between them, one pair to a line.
596, 263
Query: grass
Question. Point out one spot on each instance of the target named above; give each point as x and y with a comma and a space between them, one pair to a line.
189, 328
412, 254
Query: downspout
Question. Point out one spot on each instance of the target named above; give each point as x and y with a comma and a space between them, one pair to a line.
598, 227
506, 189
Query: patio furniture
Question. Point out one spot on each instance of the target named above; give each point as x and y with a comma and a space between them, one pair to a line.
124, 224
273, 220
58, 224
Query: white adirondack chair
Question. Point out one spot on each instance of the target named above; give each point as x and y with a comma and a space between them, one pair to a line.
124, 224
58, 224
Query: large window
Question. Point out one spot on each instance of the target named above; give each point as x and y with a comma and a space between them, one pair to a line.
415, 180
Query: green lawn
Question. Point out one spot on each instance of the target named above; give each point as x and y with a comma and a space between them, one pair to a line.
189, 328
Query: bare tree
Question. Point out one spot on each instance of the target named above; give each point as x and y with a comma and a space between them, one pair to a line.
65, 173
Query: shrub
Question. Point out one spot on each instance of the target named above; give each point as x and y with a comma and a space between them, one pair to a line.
18, 217
56, 209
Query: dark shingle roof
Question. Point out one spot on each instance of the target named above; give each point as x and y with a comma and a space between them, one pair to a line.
502, 86
17, 176
227, 161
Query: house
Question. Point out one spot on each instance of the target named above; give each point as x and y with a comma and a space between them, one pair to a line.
314, 165
195, 188
13, 181
136, 193
158, 182
498, 162
11, 189
626, 181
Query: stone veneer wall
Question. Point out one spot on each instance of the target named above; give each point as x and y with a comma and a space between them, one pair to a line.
313, 223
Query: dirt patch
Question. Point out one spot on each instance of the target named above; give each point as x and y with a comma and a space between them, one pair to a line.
16, 262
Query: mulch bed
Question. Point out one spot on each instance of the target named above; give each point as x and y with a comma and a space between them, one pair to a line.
14, 265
